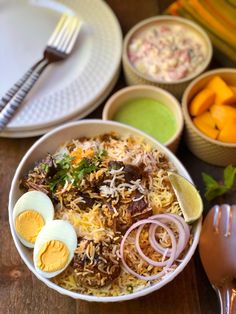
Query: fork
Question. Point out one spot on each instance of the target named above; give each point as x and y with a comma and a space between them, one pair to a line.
59, 47
217, 251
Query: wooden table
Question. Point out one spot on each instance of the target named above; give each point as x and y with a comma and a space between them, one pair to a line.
21, 292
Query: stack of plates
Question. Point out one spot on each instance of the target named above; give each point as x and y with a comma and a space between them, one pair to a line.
67, 90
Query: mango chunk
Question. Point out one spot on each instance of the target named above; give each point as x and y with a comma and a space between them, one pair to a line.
222, 115
228, 133
202, 101
206, 118
205, 128
224, 94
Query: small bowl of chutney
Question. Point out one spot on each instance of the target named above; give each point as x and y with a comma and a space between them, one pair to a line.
150, 109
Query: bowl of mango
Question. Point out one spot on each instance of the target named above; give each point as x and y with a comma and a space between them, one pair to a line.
209, 109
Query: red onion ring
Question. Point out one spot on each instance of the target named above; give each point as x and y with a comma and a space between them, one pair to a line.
173, 252
182, 236
184, 224
171, 256
134, 226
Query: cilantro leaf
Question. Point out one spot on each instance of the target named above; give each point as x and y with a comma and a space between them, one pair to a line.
62, 174
84, 167
59, 178
65, 162
229, 176
102, 153
44, 167
66, 170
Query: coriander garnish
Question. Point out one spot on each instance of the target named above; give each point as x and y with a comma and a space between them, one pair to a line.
68, 171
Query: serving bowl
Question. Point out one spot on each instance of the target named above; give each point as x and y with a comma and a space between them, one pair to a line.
176, 87
212, 151
50, 143
132, 93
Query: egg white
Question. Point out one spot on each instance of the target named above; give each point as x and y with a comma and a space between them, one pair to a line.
37, 201
60, 230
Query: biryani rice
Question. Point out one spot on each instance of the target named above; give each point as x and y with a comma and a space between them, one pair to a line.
110, 182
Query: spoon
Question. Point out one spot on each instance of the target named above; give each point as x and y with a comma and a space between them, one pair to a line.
217, 248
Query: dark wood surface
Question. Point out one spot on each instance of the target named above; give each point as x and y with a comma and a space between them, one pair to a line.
21, 292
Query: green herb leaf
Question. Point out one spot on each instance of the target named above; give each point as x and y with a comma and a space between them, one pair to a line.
102, 153
44, 167
214, 192
210, 183
85, 166
63, 172
229, 176
65, 162
58, 178
67, 171
214, 188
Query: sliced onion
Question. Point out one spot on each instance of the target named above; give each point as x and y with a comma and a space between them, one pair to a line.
184, 224
134, 226
182, 236
172, 253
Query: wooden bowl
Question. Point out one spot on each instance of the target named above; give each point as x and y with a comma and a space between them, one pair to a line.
212, 151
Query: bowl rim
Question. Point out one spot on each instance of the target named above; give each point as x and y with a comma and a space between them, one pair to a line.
167, 18
81, 296
132, 89
186, 111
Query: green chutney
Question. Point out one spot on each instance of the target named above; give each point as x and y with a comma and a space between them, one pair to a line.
150, 116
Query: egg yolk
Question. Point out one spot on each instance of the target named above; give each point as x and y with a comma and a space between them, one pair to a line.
53, 256
28, 224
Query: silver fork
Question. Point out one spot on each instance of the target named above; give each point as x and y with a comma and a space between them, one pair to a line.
59, 46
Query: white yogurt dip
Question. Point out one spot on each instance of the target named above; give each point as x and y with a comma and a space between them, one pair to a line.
167, 52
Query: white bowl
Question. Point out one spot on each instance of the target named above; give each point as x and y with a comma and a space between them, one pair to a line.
50, 143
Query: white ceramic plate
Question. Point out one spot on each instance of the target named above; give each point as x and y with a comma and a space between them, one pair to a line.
40, 131
50, 143
71, 88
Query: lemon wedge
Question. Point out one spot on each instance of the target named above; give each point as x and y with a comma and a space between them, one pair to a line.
188, 197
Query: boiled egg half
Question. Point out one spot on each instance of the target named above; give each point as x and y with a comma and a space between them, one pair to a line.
54, 248
31, 212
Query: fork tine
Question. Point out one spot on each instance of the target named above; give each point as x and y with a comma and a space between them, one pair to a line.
66, 33
216, 219
222, 213
57, 30
228, 214
71, 30
73, 37
61, 31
